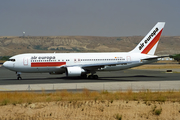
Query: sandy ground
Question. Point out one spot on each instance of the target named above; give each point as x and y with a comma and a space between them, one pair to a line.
92, 110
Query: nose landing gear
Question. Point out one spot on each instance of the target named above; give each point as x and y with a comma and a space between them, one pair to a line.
19, 76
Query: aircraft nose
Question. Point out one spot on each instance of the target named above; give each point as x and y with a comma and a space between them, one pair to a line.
6, 65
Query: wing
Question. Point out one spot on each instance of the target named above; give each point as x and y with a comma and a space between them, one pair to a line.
96, 66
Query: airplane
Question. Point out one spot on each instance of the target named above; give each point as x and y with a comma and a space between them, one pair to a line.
86, 65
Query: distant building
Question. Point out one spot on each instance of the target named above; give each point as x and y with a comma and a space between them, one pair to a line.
23, 34
166, 58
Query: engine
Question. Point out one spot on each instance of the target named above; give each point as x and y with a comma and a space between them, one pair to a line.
74, 71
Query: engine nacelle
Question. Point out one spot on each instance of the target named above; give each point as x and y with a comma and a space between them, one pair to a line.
74, 71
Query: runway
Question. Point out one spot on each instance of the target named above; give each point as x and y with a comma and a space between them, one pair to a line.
111, 81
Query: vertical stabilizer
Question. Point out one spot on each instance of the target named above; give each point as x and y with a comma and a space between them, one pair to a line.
149, 43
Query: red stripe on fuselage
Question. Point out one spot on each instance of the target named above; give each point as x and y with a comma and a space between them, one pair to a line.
47, 64
152, 43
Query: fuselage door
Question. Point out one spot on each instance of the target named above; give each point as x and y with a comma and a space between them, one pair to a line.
25, 61
128, 58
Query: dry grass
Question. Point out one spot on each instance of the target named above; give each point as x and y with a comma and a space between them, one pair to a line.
26, 97
89, 105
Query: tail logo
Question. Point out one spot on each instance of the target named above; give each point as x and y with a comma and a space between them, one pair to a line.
147, 40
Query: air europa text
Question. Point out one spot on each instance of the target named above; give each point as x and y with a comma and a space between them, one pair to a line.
43, 57
148, 39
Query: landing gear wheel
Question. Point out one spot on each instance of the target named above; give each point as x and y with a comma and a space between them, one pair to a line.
95, 76
90, 77
19, 78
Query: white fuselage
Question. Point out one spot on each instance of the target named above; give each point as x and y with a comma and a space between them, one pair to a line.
53, 62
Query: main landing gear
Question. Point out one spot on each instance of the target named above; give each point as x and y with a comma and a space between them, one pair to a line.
93, 77
19, 76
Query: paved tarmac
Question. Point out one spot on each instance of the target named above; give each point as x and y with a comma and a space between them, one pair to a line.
112, 81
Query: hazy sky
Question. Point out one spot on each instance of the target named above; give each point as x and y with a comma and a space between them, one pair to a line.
88, 17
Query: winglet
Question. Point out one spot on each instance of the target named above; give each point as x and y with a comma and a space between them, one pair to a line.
149, 43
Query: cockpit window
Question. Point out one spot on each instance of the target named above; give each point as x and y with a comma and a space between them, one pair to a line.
13, 60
